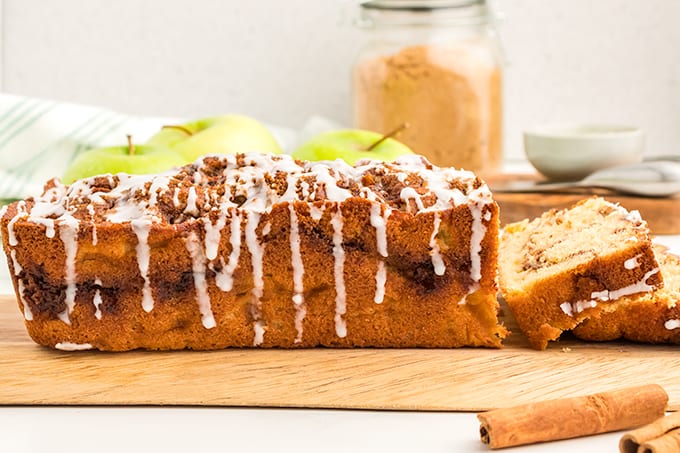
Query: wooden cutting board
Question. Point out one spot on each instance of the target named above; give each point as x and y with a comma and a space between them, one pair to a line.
662, 214
399, 379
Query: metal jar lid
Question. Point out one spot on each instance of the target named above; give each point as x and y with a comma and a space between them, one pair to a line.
380, 13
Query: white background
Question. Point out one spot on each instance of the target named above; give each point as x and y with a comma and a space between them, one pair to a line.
282, 61
226, 430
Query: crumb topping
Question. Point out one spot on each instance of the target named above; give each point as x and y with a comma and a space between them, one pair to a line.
255, 182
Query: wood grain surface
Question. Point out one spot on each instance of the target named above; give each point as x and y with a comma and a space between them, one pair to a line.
662, 214
398, 379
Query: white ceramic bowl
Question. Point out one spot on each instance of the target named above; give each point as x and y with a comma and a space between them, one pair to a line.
564, 152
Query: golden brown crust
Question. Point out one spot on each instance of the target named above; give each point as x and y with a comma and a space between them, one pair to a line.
420, 308
646, 318
643, 322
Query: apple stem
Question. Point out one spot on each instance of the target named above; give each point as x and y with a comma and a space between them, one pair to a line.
390, 134
179, 128
131, 146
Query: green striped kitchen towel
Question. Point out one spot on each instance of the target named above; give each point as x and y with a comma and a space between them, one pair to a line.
39, 138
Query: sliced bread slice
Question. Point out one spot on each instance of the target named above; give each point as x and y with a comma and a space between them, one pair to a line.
646, 318
569, 265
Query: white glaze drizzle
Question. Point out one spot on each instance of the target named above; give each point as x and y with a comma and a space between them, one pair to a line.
304, 190
567, 309
256, 250
97, 300
437, 261
439, 183
68, 233
28, 314
45, 207
639, 287
330, 183
192, 197
482, 198
298, 272
478, 232
258, 329
409, 193
316, 212
198, 267
197, 174
67, 346
380, 282
15, 264
49, 226
300, 313
175, 198
157, 185
225, 278
672, 324
247, 174
11, 235
338, 271
633, 262
126, 212
577, 307
583, 304
487, 216
125, 207
379, 222
90, 210
141, 229
213, 234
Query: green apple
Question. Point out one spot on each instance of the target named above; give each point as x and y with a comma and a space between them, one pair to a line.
137, 160
351, 145
226, 134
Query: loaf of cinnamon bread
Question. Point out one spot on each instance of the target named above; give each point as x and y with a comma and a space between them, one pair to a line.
258, 250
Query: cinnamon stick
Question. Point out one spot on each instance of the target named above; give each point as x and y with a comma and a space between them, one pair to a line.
644, 439
668, 443
572, 417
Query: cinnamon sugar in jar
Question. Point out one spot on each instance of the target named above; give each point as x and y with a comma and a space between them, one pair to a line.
435, 65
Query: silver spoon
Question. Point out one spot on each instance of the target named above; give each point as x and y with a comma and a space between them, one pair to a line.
653, 178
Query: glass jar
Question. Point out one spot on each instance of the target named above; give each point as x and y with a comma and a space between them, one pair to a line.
435, 65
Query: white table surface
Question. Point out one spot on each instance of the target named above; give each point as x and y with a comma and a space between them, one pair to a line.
170, 430
189, 429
